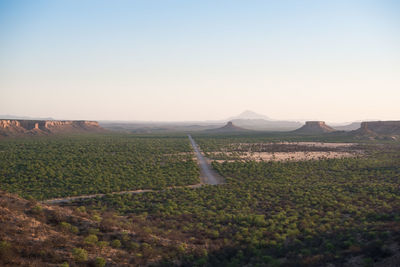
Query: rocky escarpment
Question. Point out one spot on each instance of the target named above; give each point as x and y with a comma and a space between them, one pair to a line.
40, 127
379, 129
314, 127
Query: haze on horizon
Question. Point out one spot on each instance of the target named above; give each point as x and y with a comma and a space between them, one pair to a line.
184, 60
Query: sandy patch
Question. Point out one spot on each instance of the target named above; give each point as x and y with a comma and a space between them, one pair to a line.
293, 156
320, 144
309, 144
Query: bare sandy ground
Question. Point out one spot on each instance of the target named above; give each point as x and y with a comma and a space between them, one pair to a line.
294, 156
349, 150
319, 144
311, 144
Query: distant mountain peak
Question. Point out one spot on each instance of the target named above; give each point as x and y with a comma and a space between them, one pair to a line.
249, 115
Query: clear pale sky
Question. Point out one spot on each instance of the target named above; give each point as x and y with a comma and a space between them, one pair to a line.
200, 60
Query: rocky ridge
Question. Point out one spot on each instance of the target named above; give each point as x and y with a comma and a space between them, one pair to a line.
44, 127
379, 130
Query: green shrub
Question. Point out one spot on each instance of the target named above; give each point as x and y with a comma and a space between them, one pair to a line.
37, 210
91, 239
93, 231
100, 262
80, 254
65, 226
96, 218
74, 229
133, 245
68, 227
5, 250
116, 243
368, 262
81, 209
102, 244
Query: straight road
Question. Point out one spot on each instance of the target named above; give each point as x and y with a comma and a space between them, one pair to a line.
207, 175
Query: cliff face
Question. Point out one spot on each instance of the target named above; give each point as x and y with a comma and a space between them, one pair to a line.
314, 127
379, 129
36, 127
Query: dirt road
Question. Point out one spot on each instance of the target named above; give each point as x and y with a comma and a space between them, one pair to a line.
207, 176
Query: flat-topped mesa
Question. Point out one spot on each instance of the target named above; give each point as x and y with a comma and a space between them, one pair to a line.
315, 123
314, 127
380, 127
41, 127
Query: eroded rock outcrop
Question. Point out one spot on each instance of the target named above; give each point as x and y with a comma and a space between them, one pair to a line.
379, 129
38, 127
314, 127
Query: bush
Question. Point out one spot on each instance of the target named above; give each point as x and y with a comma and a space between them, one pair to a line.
5, 250
116, 243
368, 262
100, 262
37, 210
67, 227
102, 244
74, 229
91, 239
81, 209
96, 218
93, 231
133, 246
64, 264
79, 254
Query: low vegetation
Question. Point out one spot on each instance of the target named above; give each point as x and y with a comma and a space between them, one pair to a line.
344, 211
58, 167
277, 213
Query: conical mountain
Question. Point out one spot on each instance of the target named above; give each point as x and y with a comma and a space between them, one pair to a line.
229, 127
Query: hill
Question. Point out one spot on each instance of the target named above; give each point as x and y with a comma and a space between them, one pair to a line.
46, 127
228, 128
314, 127
35, 234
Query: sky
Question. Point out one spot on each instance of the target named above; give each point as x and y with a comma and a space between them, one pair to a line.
200, 60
